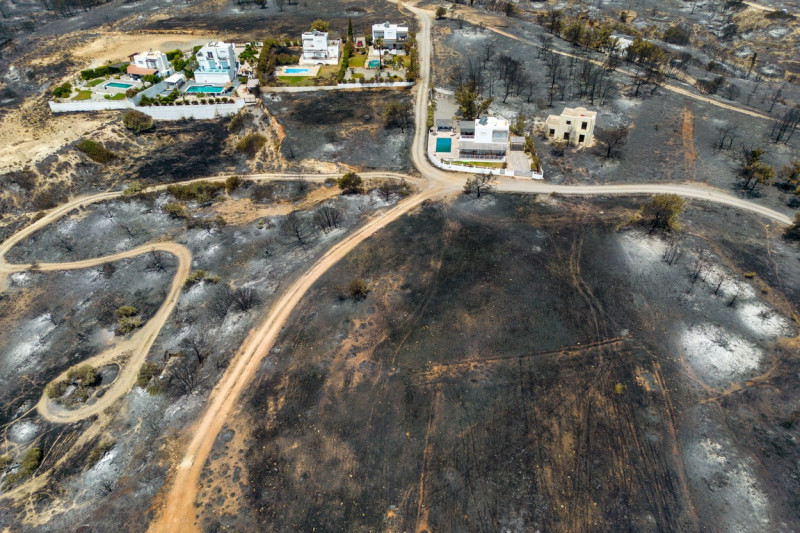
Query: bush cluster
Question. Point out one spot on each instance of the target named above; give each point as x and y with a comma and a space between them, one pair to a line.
99, 72
199, 191
251, 143
95, 151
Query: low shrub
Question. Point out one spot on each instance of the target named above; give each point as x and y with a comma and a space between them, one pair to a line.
251, 143
174, 209
135, 187
95, 151
84, 375
199, 191
127, 324
146, 373
98, 452
232, 183
137, 121
125, 311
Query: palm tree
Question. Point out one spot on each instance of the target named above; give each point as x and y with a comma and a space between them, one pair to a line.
379, 46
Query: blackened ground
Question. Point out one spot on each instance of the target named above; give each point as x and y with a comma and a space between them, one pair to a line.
343, 127
510, 368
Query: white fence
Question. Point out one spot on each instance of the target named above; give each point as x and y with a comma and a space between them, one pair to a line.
480, 170
195, 112
89, 105
178, 112
341, 86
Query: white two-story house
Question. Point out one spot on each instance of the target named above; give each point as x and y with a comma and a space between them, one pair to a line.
393, 36
317, 48
151, 62
485, 138
216, 63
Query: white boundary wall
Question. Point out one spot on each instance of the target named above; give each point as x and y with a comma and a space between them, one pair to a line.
196, 112
478, 170
178, 112
88, 105
341, 86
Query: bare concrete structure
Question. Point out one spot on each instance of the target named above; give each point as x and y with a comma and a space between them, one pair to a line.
574, 125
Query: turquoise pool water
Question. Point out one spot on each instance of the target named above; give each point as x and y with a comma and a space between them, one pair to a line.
297, 70
374, 63
443, 144
119, 85
204, 89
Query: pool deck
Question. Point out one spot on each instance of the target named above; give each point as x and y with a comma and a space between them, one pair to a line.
313, 70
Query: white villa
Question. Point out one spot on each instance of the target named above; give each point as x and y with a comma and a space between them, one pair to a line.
393, 35
318, 49
574, 125
484, 138
151, 62
216, 63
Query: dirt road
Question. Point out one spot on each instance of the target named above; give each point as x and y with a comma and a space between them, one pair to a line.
178, 512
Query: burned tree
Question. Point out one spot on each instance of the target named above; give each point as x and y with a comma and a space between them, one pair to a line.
196, 345
612, 139
479, 185
327, 218
244, 298
296, 227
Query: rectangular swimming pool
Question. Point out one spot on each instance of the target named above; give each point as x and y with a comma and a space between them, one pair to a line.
118, 85
204, 89
297, 70
374, 63
443, 144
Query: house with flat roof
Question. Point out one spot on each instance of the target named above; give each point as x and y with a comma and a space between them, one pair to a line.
150, 62
485, 138
393, 36
317, 48
573, 125
216, 63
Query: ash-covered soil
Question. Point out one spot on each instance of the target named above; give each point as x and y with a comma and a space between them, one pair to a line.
523, 364
345, 127
53, 321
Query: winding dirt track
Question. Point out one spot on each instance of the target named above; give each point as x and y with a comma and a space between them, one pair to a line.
178, 512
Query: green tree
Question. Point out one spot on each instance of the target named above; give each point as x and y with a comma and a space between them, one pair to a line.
662, 212
469, 101
441, 11
351, 183
793, 230
320, 25
137, 121
350, 30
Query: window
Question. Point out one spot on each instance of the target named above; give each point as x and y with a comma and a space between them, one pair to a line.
566, 135
552, 132
583, 125
580, 139
569, 122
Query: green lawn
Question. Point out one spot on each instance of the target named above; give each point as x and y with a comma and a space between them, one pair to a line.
358, 60
297, 81
118, 96
95, 82
83, 95
481, 164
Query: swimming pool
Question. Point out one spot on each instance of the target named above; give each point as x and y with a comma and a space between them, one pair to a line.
204, 89
443, 144
374, 63
297, 70
118, 85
